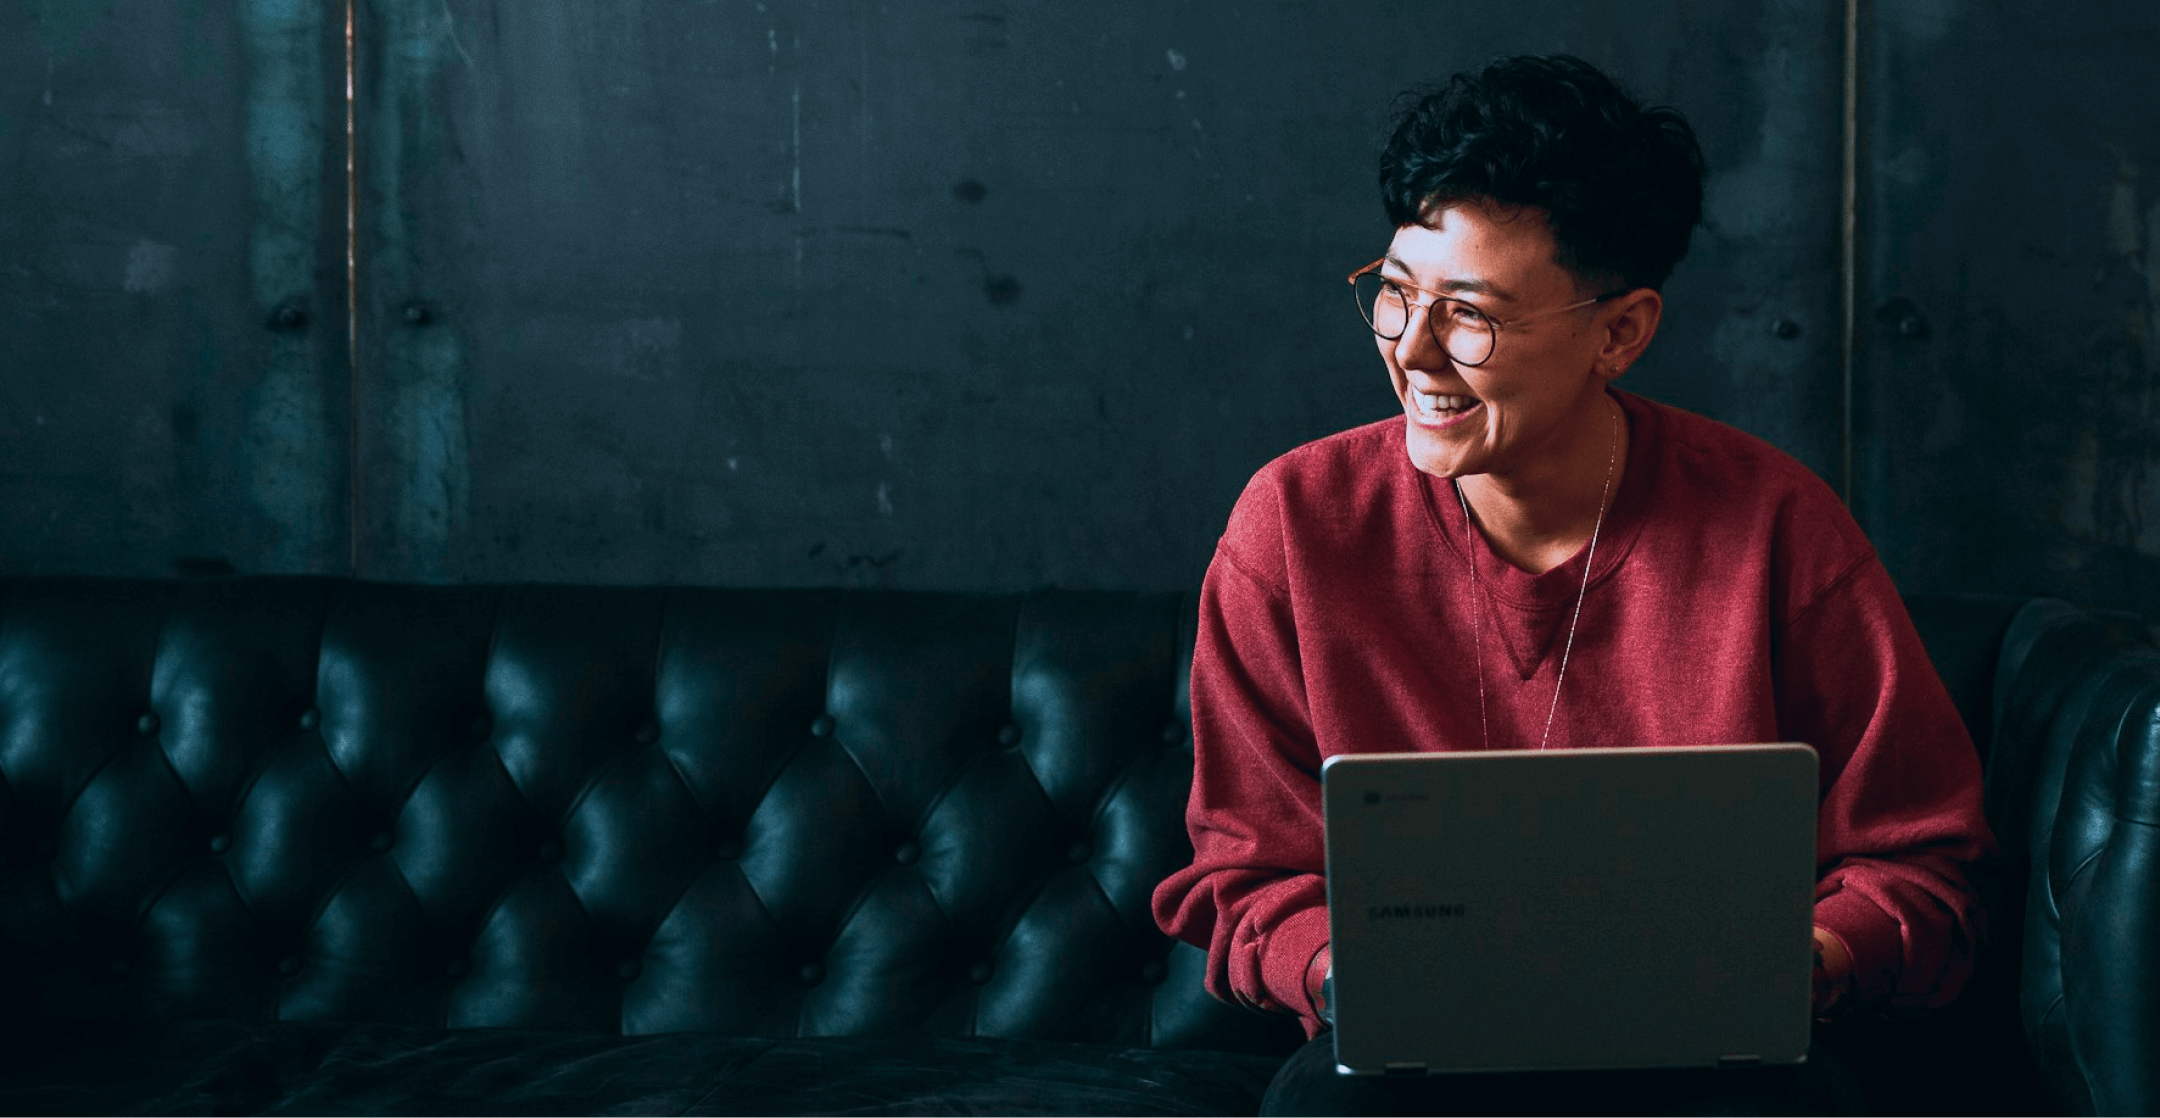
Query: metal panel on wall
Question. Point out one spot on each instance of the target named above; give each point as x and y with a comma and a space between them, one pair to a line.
980, 295
2009, 354
171, 218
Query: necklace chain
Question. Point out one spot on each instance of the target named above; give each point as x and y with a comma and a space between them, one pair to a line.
1477, 594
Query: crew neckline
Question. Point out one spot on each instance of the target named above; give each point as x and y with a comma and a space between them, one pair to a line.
1558, 587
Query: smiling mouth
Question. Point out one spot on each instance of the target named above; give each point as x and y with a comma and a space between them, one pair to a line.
1438, 408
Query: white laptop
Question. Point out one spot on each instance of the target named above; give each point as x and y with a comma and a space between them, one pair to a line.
1574, 909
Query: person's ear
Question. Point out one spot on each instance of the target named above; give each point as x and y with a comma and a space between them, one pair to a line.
1630, 322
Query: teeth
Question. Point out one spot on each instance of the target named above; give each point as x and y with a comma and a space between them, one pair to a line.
1430, 403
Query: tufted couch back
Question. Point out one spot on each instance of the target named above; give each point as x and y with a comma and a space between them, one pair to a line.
628, 810
2074, 796
782, 813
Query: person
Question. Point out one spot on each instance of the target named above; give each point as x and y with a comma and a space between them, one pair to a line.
1527, 557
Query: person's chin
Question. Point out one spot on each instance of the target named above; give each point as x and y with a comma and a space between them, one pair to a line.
1429, 454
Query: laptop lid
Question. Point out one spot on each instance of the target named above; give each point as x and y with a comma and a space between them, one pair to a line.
1577, 909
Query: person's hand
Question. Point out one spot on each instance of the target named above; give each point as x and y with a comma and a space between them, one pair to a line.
1833, 975
1318, 986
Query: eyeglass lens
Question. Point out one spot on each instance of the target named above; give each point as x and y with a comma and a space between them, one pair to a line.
1460, 328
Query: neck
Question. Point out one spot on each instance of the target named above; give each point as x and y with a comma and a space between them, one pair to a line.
1539, 518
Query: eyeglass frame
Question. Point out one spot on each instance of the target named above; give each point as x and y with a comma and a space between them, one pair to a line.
1493, 334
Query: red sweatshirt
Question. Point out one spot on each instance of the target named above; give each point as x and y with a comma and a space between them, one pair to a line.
1733, 599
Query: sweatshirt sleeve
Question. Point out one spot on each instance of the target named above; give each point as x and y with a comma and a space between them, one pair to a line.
1899, 834
1254, 896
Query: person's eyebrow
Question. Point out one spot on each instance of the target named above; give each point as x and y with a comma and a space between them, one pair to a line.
1453, 286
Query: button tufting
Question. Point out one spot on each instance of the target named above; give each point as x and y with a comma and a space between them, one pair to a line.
907, 852
118, 968
628, 969
1153, 972
1079, 850
1173, 733
147, 725
980, 971
1009, 735
289, 965
551, 850
480, 727
811, 973
46, 848
220, 843
309, 719
822, 726
379, 842
647, 732
727, 850
456, 968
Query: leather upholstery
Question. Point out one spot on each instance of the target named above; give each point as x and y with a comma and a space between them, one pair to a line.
633, 810
807, 813
2074, 793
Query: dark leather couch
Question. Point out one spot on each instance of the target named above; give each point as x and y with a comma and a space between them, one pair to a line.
315, 844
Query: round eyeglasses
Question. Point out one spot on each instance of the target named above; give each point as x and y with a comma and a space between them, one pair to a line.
1467, 334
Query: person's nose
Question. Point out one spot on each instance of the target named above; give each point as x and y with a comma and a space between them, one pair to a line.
1417, 348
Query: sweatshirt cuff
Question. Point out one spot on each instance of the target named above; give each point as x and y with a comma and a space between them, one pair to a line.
1873, 939
1290, 949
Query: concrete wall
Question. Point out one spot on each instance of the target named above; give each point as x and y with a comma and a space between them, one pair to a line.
173, 377
2008, 361
982, 295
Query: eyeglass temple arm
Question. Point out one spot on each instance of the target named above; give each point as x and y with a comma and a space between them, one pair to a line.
1605, 298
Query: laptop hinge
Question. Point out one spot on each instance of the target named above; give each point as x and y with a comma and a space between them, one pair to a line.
1406, 1068
1739, 1060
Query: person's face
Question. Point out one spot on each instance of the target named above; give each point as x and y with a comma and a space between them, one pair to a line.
1541, 383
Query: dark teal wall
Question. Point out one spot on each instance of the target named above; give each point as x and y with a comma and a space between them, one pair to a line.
934, 295
173, 380
964, 295
2010, 435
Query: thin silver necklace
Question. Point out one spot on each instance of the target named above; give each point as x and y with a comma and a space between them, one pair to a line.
1477, 594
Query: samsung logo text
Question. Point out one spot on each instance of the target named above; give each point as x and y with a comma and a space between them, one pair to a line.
1415, 911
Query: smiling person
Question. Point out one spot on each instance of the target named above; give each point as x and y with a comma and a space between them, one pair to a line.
1529, 558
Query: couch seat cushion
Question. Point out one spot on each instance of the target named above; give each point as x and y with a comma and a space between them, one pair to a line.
231, 1067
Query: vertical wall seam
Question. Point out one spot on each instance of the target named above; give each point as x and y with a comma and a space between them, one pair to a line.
352, 298
1848, 249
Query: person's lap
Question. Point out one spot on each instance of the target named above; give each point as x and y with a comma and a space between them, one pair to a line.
1308, 1084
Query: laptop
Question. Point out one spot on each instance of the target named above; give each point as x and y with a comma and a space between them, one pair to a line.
1515, 911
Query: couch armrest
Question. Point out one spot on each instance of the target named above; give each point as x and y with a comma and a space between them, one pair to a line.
2074, 790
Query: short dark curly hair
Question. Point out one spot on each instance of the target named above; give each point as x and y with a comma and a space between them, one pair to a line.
1620, 183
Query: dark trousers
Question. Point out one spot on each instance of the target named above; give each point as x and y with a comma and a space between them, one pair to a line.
1308, 1084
